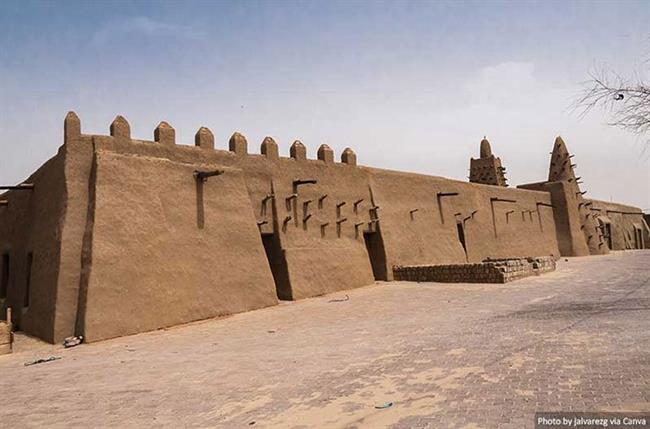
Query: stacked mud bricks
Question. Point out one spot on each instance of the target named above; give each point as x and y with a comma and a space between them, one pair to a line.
488, 271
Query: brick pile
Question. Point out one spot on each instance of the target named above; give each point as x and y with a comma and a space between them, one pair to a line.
488, 271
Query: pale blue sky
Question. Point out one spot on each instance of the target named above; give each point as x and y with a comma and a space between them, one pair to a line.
408, 85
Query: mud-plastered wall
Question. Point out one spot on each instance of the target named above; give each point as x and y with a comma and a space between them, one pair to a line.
78, 151
309, 213
177, 248
320, 213
163, 245
578, 231
433, 220
622, 226
30, 242
562, 169
568, 225
163, 255
120, 235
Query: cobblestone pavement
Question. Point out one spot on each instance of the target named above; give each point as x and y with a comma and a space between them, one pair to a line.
445, 355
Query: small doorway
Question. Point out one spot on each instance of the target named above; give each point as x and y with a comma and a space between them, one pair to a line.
638, 238
376, 253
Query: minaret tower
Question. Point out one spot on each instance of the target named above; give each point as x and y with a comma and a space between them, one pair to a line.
487, 170
563, 170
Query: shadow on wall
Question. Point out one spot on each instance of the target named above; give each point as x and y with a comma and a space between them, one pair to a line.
376, 253
278, 266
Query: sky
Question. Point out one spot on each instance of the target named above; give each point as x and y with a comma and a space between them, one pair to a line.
408, 85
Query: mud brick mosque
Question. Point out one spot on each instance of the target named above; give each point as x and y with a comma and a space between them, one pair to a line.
114, 236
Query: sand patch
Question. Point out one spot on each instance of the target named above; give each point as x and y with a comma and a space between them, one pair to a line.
232, 410
540, 299
518, 360
569, 384
522, 392
584, 340
453, 380
573, 366
490, 379
358, 407
456, 352
426, 377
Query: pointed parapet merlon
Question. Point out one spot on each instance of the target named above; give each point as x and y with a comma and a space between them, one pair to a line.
326, 154
164, 134
298, 151
238, 144
71, 127
269, 148
204, 138
349, 157
120, 128
486, 150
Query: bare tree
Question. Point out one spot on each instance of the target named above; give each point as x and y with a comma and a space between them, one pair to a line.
626, 102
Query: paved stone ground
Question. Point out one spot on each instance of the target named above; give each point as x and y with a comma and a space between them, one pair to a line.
446, 355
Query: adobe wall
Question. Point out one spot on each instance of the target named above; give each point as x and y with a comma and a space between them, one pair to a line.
319, 230
623, 219
48, 222
569, 229
31, 224
78, 152
152, 265
562, 168
578, 231
322, 244
303, 238
319, 225
126, 239
498, 222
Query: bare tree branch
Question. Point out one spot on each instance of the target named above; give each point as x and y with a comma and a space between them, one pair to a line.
626, 103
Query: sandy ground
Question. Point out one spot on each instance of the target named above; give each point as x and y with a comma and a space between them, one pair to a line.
432, 355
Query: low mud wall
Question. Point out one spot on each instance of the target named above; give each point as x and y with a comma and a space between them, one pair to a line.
489, 271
